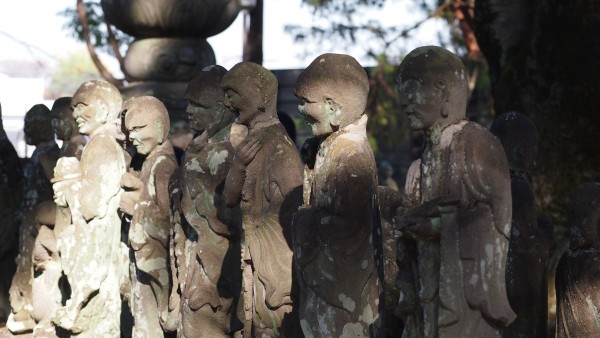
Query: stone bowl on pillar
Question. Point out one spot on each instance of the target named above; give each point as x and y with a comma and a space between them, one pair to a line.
170, 44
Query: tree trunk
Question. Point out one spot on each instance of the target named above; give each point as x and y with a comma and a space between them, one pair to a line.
543, 60
105, 73
253, 35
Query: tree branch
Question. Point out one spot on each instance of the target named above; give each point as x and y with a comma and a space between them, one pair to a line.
115, 45
464, 16
104, 72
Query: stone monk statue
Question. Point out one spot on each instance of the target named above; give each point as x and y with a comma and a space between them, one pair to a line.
265, 179
527, 260
146, 199
37, 188
337, 233
460, 203
65, 128
206, 243
92, 264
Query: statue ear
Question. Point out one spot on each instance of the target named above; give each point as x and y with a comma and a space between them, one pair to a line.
441, 85
331, 109
104, 113
162, 133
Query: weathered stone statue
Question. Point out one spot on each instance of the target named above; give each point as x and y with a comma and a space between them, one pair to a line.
390, 203
37, 172
578, 272
386, 173
46, 292
526, 264
265, 179
65, 128
11, 192
206, 232
92, 260
146, 199
337, 233
461, 203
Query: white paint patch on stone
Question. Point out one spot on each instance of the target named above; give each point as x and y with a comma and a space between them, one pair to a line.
194, 165
353, 330
151, 182
347, 302
215, 159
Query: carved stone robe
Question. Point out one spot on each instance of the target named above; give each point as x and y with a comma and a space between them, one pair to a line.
92, 242
462, 288
267, 204
526, 265
577, 296
212, 272
37, 189
148, 238
337, 240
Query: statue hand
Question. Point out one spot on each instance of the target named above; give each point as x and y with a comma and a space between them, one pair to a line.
248, 150
65, 318
421, 228
130, 182
128, 201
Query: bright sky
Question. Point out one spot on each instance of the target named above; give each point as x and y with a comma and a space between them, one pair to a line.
36, 23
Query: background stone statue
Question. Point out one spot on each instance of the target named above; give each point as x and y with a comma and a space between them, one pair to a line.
66, 129
146, 199
390, 203
526, 264
578, 272
37, 173
93, 263
337, 233
46, 293
386, 176
206, 232
11, 193
265, 179
460, 211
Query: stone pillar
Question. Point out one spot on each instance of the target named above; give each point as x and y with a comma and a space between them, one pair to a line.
170, 44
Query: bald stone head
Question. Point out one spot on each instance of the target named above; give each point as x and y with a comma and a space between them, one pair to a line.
95, 103
38, 125
250, 92
334, 90
519, 137
206, 109
147, 121
432, 88
63, 123
584, 216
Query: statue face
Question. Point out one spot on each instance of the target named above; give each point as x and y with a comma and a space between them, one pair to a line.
63, 123
36, 129
144, 134
242, 103
585, 233
200, 115
318, 114
420, 100
89, 116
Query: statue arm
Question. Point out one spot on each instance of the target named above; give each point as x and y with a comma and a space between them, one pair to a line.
102, 166
234, 183
485, 214
158, 211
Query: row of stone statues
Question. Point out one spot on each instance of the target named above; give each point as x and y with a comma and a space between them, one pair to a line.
249, 237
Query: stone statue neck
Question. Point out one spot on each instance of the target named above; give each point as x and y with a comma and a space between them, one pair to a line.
434, 134
260, 123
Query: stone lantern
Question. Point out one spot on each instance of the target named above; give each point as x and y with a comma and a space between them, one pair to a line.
170, 44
